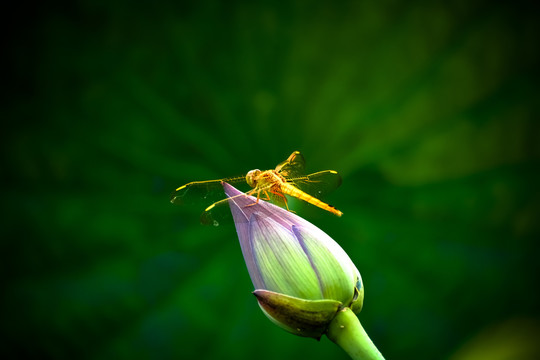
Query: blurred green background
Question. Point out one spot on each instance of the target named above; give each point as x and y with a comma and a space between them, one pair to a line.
428, 111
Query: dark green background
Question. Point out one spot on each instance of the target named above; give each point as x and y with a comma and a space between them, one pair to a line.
428, 111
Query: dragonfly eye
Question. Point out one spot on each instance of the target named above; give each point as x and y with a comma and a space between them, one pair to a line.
251, 177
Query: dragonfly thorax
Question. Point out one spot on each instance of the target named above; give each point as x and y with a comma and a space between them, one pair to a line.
252, 177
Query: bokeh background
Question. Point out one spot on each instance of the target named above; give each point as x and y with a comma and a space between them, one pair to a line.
427, 109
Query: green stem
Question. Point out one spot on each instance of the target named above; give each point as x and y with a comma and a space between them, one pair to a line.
346, 331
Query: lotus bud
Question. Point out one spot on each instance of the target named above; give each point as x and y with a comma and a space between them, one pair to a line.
302, 277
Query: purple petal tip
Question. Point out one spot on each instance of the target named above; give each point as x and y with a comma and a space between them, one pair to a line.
230, 191
244, 206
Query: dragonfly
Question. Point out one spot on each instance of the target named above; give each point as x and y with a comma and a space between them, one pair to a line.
287, 179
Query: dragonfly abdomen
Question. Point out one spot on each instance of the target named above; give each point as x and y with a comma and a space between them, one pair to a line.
297, 193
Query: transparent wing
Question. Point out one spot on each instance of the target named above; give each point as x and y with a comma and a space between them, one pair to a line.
317, 184
216, 214
294, 166
201, 194
204, 193
220, 212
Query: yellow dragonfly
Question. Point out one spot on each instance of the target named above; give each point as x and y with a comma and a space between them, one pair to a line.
288, 178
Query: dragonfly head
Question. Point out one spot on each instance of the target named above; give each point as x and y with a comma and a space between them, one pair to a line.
251, 177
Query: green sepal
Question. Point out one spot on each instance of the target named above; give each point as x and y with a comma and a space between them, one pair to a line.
308, 318
358, 299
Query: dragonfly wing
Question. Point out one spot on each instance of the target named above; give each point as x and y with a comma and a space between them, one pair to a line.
317, 184
294, 166
219, 212
203, 192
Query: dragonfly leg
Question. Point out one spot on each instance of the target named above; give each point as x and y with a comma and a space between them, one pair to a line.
277, 193
258, 196
267, 196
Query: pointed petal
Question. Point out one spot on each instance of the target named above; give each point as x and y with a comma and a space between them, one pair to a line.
237, 203
282, 263
333, 266
247, 205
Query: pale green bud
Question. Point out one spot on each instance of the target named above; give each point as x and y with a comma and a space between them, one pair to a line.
302, 277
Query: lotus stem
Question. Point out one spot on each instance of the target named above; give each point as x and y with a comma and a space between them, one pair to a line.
347, 332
